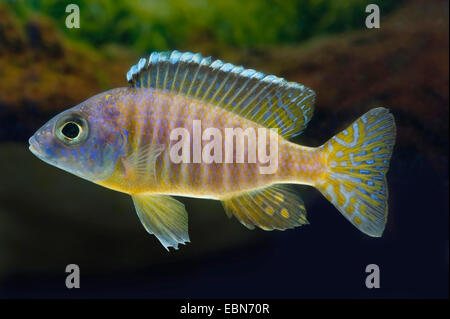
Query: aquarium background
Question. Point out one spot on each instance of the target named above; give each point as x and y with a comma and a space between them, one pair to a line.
49, 218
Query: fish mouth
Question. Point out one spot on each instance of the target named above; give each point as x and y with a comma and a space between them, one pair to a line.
34, 147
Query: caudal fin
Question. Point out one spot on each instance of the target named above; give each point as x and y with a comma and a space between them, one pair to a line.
358, 159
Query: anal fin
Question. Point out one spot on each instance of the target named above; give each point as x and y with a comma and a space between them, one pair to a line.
164, 217
269, 208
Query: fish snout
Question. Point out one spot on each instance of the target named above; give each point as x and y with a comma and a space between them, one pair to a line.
35, 147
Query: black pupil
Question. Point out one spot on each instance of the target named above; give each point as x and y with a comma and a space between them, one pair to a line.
71, 130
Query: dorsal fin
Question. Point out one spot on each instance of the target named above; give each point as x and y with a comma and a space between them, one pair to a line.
265, 99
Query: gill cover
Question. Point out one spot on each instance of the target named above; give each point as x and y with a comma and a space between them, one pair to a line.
83, 140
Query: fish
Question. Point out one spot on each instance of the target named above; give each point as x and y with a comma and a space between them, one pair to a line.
150, 140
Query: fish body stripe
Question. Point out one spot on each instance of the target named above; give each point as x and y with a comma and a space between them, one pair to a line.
150, 115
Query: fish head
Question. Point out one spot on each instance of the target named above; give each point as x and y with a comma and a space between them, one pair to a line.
84, 140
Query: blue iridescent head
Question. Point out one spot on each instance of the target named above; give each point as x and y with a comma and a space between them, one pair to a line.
83, 140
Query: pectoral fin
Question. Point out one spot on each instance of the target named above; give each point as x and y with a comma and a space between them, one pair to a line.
143, 160
164, 217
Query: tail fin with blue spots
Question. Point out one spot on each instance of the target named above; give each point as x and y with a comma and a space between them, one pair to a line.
358, 160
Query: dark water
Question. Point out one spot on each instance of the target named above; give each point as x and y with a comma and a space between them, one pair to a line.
325, 259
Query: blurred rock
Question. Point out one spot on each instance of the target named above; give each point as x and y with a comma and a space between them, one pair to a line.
42, 73
12, 38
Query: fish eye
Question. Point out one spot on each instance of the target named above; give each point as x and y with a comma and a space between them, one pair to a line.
72, 130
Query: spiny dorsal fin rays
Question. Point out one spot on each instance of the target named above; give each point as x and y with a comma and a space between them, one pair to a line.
265, 99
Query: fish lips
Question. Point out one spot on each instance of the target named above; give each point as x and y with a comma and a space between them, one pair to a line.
35, 148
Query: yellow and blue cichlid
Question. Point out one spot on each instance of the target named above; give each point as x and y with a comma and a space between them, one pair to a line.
120, 139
